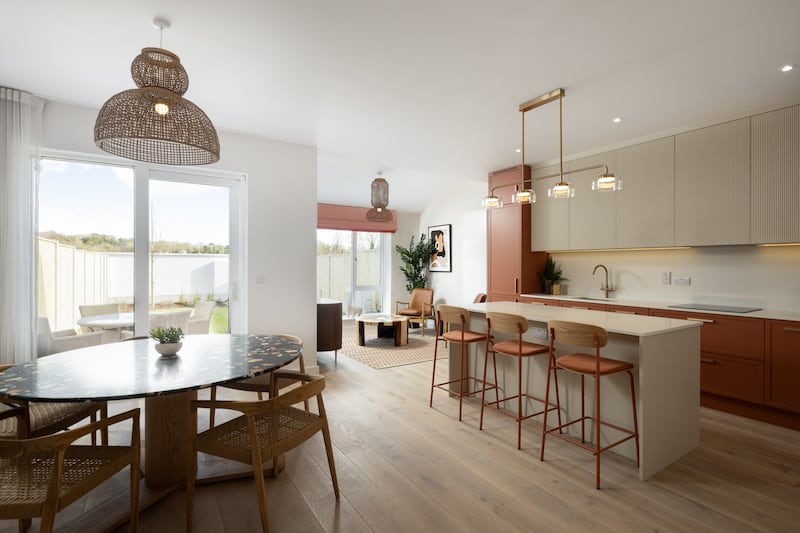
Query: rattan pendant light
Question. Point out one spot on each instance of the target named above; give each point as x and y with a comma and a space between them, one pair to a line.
379, 199
155, 123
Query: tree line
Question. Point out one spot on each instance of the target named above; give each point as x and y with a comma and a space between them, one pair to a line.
98, 242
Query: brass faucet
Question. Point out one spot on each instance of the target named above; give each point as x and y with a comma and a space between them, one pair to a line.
605, 287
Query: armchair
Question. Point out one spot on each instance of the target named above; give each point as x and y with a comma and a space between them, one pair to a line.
200, 318
49, 341
419, 308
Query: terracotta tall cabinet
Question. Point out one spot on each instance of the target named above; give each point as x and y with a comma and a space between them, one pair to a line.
511, 266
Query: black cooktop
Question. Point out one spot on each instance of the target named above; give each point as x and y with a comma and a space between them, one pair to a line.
720, 308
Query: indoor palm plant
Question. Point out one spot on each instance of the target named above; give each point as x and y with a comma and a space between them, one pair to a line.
551, 278
415, 262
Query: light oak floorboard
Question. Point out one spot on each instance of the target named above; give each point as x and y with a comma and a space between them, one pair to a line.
404, 467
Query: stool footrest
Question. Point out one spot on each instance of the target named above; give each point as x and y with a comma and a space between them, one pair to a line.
566, 437
445, 386
493, 405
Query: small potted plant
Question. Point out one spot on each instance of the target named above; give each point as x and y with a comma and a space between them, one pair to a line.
169, 340
551, 278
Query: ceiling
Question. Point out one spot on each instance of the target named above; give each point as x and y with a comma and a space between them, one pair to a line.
426, 91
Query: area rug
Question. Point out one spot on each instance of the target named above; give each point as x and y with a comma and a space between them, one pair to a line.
380, 352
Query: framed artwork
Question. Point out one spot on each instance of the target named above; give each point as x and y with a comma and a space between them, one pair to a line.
441, 258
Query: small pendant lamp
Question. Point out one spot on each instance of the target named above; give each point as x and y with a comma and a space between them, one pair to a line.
380, 200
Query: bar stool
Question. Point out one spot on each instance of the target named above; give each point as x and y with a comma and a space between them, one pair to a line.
587, 336
447, 315
515, 324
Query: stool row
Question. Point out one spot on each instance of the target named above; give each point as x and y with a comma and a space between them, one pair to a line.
452, 327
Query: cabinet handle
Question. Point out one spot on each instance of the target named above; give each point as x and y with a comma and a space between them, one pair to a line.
516, 284
708, 361
703, 320
793, 330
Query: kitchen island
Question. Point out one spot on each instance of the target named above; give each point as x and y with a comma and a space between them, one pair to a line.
666, 357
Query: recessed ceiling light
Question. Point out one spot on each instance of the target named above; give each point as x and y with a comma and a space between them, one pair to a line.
786, 68
616, 120
518, 150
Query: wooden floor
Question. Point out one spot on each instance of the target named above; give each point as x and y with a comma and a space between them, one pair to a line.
404, 467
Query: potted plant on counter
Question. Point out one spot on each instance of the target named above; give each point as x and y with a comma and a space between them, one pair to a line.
551, 278
169, 340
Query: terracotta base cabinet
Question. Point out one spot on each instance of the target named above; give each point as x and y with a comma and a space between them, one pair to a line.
784, 364
731, 354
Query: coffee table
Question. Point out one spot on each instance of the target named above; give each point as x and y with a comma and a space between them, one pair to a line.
397, 324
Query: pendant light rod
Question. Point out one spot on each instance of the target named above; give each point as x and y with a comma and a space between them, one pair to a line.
557, 174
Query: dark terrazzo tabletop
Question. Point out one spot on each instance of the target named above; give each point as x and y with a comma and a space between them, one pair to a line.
133, 369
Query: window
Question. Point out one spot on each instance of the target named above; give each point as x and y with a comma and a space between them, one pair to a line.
350, 268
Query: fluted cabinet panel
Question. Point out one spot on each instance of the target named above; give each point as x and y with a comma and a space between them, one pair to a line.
775, 183
712, 185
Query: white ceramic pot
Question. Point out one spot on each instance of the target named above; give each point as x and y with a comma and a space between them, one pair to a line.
169, 349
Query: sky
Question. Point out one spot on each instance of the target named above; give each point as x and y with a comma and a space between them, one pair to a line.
80, 198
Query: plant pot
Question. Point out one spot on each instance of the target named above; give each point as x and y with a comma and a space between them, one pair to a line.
169, 349
548, 286
556, 287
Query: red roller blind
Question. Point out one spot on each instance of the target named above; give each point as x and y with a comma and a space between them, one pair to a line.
343, 217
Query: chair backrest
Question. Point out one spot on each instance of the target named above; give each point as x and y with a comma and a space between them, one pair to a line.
44, 336
174, 319
420, 297
577, 334
203, 310
507, 323
98, 309
479, 298
450, 314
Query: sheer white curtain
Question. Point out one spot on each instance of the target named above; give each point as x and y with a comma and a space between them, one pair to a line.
20, 138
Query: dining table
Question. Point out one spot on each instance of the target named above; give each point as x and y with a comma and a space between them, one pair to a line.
133, 369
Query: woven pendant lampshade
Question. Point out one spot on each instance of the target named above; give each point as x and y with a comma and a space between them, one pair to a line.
379, 199
155, 123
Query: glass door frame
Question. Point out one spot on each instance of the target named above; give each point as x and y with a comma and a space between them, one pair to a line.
237, 258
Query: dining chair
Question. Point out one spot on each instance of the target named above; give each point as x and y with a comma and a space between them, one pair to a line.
262, 383
418, 309
452, 327
44, 418
43, 475
265, 430
519, 349
596, 366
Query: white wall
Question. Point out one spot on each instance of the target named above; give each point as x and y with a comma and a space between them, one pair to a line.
407, 225
462, 210
282, 219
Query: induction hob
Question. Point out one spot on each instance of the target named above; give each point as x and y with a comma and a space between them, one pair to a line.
720, 308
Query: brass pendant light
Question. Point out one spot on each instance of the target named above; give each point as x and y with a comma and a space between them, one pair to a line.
155, 123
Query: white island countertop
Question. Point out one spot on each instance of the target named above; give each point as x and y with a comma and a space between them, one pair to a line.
624, 324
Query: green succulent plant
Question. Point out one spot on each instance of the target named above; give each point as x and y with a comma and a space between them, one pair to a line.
167, 335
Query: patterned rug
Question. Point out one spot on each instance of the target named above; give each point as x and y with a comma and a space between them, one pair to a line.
380, 352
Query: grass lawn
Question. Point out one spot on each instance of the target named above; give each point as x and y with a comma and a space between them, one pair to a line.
219, 320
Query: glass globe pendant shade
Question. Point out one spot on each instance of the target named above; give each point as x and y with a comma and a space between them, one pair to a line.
524, 196
561, 190
492, 202
607, 182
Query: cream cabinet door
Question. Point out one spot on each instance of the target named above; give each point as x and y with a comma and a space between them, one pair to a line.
775, 180
712, 185
646, 202
592, 214
549, 217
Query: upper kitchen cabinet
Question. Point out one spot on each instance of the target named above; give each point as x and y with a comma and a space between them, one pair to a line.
712, 185
549, 218
775, 181
511, 266
592, 214
646, 202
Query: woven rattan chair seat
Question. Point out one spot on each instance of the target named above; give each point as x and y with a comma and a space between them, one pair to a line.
45, 415
26, 478
281, 430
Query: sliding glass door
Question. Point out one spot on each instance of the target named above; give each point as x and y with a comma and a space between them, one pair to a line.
140, 241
